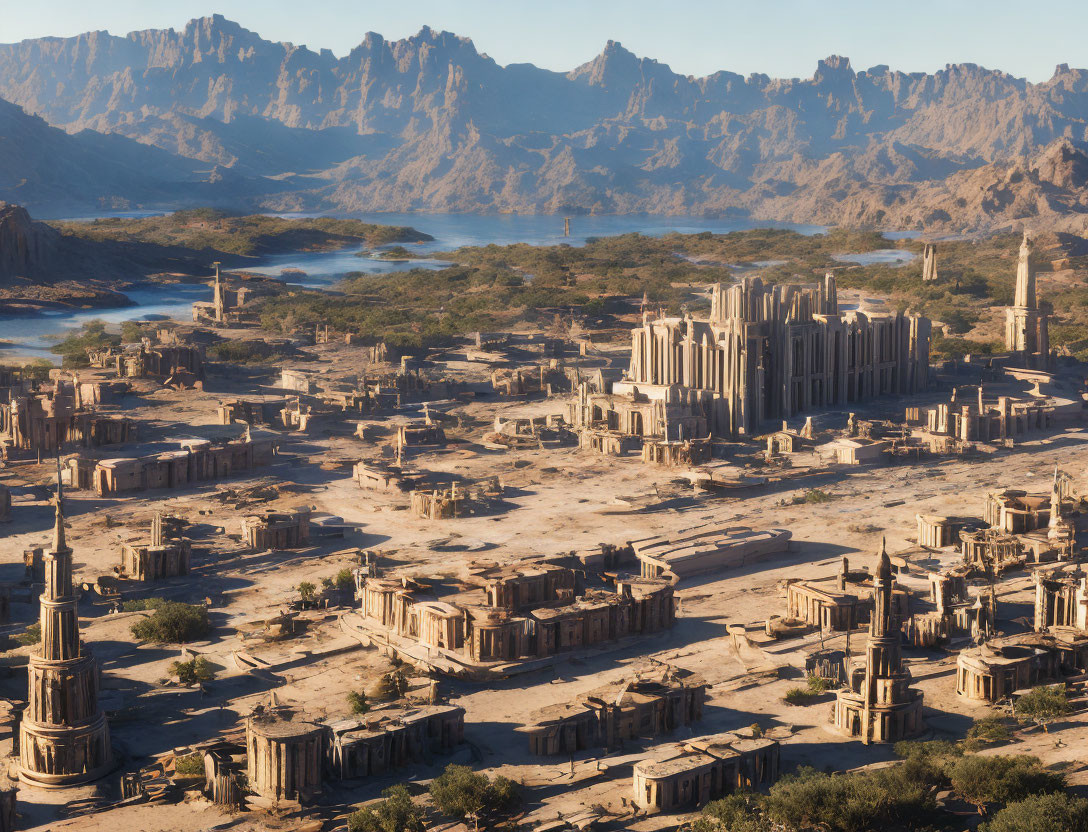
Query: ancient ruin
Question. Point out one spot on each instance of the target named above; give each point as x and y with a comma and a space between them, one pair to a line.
646, 706
63, 736
765, 352
45, 422
167, 555
879, 705
705, 769
1027, 333
929, 262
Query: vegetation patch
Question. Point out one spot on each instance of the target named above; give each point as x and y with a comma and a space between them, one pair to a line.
250, 235
173, 622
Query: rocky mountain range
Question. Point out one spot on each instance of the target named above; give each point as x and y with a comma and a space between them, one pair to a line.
429, 123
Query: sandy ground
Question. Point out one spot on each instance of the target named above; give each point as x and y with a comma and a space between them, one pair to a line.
556, 501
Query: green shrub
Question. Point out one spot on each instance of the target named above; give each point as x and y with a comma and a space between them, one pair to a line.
357, 702
818, 684
895, 797
141, 604
75, 346
1041, 813
738, 812
191, 672
32, 634
173, 623
798, 696
989, 730
1042, 705
248, 352
939, 752
813, 496
396, 813
984, 779
342, 580
190, 765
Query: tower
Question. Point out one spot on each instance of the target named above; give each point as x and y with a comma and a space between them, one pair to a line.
218, 295
879, 705
929, 262
64, 739
1027, 333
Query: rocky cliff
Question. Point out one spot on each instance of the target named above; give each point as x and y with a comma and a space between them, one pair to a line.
430, 123
28, 249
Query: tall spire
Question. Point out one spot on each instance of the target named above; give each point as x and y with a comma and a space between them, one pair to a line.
63, 736
1025, 276
884, 566
59, 543
1055, 502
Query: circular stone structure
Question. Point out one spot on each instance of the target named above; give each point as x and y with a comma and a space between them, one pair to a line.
284, 756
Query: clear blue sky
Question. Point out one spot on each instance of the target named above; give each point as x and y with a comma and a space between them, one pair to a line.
697, 37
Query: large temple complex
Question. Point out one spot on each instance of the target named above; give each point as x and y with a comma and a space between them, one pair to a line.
767, 352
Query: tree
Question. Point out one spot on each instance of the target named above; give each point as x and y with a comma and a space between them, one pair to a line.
1042, 705
982, 780
307, 592
194, 671
462, 793
342, 580
357, 702
738, 812
396, 813
899, 797
989, 730
174, 623
1041, 813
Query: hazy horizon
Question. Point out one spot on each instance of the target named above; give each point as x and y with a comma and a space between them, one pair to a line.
697, 37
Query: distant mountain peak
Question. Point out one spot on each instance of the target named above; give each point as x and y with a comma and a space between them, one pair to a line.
428, 122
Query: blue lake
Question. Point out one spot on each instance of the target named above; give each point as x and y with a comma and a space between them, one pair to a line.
35, 334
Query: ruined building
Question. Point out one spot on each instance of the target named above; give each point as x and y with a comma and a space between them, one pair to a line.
525, 611
375, 744
627, 709
230, 302
996, 669
277, 530
144, 360
879, 705
199, 460
64, 739
766, 352
1027, 333
929, 262
167, 556
284, 756
45, 422
704, 769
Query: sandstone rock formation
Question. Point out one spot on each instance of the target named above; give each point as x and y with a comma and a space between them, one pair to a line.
27, 249
430, 123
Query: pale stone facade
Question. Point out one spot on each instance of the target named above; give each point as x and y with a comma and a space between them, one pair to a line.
879, 705
770, 352
703, 770
1027, 332
64, 739
284, 757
